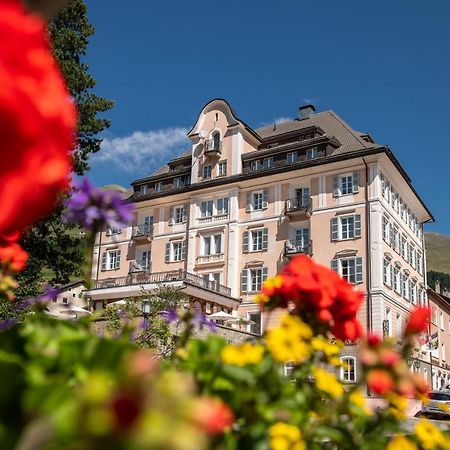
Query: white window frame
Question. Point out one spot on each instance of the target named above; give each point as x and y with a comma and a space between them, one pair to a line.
222, 168
177, 182
312, 153
255, 279
143, 190
256, 238
145, 260
348, 369
357, 276
178, 214
255, 165
291, 157
258, 201
207, 172
158, 186
214, 241
347, 231
113, 258
387, 272
208, 211
267, 163
397, 280
222, 211
176, 250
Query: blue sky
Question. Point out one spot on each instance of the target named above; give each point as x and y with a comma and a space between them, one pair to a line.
383, 66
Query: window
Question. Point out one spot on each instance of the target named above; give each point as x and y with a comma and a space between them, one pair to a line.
255, 240
420, 262
111, 260
147, 227
216, 140
65, 300
404, 247
207, 171
255, 165
145, 259
252, 279
387, 326
267, 163
177, 182
395, 239
386, 230
207, 208
158, 186
386, 272
291, 157
385, 187
395, 200
222, 168
397, 281
255, 317
312, 153
222, 206
346, 227
257, 201
178, 215
111, 231
143, 190
411, 255
405, 286
348, 369
303, 197
212, 245
348, 268
302, 237
345, 184
175, 251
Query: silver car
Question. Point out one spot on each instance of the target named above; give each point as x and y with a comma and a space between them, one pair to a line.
437, 399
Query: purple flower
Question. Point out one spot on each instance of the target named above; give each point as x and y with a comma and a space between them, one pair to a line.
201, 321
92, 207
50, 294
7, 323
171, 315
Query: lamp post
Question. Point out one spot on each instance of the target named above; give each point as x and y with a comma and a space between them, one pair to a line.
146, 311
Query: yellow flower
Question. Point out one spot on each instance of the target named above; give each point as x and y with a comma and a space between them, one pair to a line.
401, 443
242, 354
398, 405
358, 399
296, 326
429, 435
261, 298
321, 343
327, 382
285, 437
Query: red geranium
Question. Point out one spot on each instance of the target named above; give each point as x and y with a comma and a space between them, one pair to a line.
380, 381
212, 415
318, 295
418, 320
37, 122
13, 256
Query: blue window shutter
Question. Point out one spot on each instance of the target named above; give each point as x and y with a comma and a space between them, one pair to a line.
244, 280
245, 242
335, 186
265, 241
168, 252
357, 225
355, 181
334, 229
104, 256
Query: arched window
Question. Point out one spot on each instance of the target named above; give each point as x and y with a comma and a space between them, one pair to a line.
216, 140
348, 369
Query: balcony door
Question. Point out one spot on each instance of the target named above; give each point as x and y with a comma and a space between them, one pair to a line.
302, 196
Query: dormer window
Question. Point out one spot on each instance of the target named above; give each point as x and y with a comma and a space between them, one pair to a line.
143, 190
158, 186
312, 153
177, 182
255, 165
291, 157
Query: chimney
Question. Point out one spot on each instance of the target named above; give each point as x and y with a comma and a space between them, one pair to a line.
305, 111
437, 287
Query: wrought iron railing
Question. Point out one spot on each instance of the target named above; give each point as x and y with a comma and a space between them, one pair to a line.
298, 204
163, 277
297, 246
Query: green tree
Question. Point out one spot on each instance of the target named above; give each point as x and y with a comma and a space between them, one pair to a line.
57, 250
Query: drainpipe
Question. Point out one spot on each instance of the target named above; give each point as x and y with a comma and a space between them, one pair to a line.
368, 253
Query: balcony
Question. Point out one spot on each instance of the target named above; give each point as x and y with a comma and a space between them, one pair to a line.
211, 259
299, 208
142, 233
213, 147
139, 268
296, 247
217, 218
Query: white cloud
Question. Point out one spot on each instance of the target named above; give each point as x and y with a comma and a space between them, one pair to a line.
277, 120
142, 152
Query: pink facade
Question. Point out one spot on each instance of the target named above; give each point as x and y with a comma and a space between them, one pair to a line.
235, 207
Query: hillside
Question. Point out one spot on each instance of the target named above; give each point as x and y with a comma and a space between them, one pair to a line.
438, 252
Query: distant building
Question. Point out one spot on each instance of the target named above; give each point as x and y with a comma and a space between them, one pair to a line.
230, 211
70, 295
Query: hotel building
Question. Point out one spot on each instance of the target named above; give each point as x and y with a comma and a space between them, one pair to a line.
240, 202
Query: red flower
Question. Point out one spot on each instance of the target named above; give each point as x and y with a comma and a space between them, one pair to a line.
389, 357
373, 340
126, 409
212, 415
14, 257
380, 381
418, 320
37, 122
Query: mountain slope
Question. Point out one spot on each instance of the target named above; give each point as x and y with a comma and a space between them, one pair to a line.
438, 252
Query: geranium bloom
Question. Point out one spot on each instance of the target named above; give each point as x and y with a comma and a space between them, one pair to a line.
212, 415
318, 296
418, 320
37, 122
13, 257
380, 381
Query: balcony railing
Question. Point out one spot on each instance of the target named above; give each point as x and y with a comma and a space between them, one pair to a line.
213, 146
142, 232
139, 268
298, 205
295, 247
216, 218
209, 259
163, 277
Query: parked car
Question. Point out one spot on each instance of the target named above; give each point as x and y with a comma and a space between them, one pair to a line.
437, 399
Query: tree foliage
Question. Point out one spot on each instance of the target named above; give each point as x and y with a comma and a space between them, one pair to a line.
443, 278
56, 249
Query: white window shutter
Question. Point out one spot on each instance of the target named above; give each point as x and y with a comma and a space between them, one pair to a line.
185, 213
359, 270
336, 189
117, 265
168, 252
357, 225
171, 219
335, 265
265, 199
265, 241
183, 249
249, 207
244, 280
355, 181
334, 229
245, 242
104, 256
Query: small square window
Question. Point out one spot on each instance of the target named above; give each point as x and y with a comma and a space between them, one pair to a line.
222, 169
207, 172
